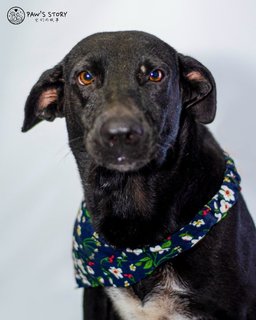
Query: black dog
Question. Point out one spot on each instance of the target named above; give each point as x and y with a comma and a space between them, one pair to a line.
135, 111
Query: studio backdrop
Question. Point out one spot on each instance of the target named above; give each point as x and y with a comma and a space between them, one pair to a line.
40, 187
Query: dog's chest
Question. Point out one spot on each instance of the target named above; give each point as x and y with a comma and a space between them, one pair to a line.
164, 302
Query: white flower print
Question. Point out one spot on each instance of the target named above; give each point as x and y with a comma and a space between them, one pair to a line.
85, 280
155, 249
218, 216
95, 235
101, 280
231, 175
216, 197
117, 272
92, 256
187, 237
227, 193
198, 223
80, 276
226, 179
194, 241
90, 270
136, 251
132, 267
80, 265
177, 249
126, 284
78, 230
98, 244
224, 206
79, 216
75, 244
158, 249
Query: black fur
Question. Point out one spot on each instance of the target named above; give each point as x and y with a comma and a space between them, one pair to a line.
166, 175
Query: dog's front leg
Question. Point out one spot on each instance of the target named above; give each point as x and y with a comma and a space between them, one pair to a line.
97, 305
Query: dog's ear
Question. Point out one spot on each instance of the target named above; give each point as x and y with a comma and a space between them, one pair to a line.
45, 101
198, 89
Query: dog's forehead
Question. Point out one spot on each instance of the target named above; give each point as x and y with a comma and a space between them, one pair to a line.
123, 45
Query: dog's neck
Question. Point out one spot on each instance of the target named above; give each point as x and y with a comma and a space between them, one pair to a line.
138, 208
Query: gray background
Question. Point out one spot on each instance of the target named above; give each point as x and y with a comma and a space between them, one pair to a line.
40, 188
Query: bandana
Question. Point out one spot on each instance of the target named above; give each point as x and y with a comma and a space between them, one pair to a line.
97, 263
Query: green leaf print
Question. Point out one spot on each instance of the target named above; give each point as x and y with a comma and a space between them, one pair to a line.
148, 264
167, 244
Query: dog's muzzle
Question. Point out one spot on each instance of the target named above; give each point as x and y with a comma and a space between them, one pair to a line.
121, 134
120, 142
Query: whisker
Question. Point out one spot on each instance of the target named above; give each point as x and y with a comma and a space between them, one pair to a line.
66, 155
75, 139
66, 146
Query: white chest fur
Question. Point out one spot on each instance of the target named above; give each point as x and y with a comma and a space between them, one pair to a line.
162, 303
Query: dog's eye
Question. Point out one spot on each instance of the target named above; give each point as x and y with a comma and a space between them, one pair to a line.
85, 78
156, 75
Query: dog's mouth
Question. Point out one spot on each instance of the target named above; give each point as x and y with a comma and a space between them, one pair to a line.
123, 164
120, 160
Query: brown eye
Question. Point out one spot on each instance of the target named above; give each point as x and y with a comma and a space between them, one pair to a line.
85, 78
156, 75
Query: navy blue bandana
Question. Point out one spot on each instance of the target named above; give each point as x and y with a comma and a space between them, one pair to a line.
97, 263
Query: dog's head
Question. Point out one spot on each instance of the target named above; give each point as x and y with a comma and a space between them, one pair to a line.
122, 94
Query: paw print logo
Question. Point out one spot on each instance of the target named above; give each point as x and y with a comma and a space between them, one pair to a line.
16, 15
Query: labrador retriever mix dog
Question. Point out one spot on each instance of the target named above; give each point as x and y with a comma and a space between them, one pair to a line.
151, 241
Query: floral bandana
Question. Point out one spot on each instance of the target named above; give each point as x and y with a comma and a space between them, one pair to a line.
97, 263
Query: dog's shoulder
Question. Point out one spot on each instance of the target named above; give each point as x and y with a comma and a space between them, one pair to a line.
167, 300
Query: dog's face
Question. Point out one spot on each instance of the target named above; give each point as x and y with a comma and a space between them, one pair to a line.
122, 95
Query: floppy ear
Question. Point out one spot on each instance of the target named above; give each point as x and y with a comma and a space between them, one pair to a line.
198, 89
45, 101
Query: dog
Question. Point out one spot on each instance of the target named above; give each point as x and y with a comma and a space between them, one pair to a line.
136, 111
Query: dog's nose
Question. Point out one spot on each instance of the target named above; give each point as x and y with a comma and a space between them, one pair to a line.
117, 132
